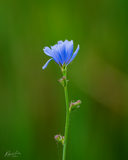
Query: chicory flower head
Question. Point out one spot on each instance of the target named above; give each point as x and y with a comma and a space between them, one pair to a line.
61, 53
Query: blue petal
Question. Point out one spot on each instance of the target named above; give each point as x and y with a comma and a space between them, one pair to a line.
56, 52
48, 51
69, 50
46, 63
74, 55
61, 48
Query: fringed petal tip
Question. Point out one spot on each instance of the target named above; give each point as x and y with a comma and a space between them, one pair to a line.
48, 51
59, 42
46, 63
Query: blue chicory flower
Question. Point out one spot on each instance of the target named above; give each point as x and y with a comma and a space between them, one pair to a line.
61, 53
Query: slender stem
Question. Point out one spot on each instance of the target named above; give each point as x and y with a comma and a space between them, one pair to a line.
67, 120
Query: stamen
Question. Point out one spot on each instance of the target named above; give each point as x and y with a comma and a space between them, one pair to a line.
60, 64
68, 61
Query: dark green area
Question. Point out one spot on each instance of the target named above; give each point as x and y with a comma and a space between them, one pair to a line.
32, 103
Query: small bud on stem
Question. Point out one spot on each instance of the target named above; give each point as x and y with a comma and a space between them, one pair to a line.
74, 105
59, 138
63, 81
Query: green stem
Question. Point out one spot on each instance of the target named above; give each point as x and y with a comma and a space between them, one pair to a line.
67, 119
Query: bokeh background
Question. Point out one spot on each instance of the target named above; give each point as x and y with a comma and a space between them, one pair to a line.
32, 103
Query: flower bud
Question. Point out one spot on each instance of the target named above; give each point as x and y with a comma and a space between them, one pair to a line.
59, 138
63, 81
74, 105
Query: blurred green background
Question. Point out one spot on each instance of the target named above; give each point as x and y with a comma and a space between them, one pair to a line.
32, 103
